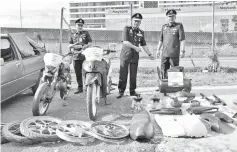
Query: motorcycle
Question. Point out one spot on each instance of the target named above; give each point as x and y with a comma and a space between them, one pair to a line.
56, 75
97, 77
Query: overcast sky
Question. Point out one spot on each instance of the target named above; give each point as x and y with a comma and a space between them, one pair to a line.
35, 13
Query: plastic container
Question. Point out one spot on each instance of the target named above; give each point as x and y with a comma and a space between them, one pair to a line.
93, 54
51, 59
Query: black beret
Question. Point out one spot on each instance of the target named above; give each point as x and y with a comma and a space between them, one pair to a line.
137, 16
171, 12
79, 21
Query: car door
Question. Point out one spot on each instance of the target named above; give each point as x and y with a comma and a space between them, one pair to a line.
12, 70
32, 60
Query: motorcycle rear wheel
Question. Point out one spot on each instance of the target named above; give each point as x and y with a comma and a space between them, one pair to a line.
91, 101
40, 98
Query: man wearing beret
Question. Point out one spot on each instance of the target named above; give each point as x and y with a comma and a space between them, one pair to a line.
173, 40
132, 38
80, 40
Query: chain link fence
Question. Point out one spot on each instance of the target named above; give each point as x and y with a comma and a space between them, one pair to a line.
197, 26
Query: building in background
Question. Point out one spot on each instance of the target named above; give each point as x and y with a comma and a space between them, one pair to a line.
114, 15
94, 11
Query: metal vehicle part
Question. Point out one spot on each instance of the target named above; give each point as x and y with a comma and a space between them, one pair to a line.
41, 128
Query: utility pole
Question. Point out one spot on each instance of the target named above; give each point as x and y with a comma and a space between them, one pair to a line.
61, 32
131, 12
20, 15
213, 24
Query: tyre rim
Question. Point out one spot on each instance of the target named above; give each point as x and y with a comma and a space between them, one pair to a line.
67, 130
110, 130
15, 129
94, 93
43, 125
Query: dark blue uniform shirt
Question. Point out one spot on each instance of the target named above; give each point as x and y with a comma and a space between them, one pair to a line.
83, 37
134, 36
171, 37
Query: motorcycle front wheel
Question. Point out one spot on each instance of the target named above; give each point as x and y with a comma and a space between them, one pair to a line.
63, 89
91, 99
40, 103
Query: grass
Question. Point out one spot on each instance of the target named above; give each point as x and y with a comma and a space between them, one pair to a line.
147, 77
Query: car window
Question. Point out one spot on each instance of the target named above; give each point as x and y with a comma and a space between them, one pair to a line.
22, 44
7, 52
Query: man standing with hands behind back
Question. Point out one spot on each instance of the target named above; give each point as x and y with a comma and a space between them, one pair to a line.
79, 41
132, 38
173, 40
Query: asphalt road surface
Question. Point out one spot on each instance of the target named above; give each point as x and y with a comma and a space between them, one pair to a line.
19, 108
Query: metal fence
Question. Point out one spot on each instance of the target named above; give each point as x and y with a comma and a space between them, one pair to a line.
198, 28
198, 31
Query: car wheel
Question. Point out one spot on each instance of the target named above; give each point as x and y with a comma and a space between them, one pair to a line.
34, 88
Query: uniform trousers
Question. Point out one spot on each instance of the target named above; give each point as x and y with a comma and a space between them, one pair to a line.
123, 74
166, 63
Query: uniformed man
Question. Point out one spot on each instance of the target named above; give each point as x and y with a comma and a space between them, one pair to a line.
132, 38
80, 40
173, 40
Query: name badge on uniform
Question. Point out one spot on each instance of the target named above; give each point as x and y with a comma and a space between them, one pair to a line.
175, 31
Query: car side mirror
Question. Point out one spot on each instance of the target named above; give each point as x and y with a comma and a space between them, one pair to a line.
2, 61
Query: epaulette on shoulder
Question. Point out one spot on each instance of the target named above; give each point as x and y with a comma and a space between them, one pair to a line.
128, 26
141, 30
178, 23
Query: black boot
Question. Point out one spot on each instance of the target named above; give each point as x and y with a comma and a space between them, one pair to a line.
79, 90
133, 93
121, 93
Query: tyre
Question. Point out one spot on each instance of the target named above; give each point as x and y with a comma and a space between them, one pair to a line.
40, 98
91, 101
41, 129
11, 132
34, 88
66, 132
3, 140
63, 89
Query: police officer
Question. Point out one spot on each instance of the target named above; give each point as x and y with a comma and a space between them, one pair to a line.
173, 40
132, 38
80, 40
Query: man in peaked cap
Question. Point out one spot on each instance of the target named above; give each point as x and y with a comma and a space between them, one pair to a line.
173, 40
132, 38
80, 40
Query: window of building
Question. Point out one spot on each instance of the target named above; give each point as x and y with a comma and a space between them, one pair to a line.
75, 4
150, 4
224, 25
95, 21
73, 10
